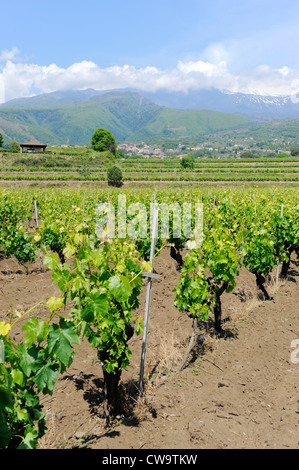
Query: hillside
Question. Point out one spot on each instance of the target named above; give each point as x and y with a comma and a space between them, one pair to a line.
65, 117
190, 123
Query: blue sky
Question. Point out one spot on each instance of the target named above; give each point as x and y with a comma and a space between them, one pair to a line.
248, 45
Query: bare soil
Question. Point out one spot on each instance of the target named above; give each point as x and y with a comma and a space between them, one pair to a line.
237, 391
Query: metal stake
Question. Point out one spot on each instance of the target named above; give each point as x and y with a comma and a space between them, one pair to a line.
36, 221
150, 276
277, 269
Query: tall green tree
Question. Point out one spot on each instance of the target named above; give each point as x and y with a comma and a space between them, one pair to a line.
1, 140
103, 140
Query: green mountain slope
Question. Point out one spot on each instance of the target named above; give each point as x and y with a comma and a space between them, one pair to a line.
127, 115
192, 123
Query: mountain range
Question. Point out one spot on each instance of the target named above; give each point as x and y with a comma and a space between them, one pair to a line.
257, 107
70, 117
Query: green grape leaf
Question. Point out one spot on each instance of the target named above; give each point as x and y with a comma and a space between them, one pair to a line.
51, 260
46, 377
59, 342
28, 359
120, 288
36, 329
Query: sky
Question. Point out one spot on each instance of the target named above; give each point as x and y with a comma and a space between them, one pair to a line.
248, 46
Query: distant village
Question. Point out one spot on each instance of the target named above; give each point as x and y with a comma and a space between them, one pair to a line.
148, 151
216, 149
204, 149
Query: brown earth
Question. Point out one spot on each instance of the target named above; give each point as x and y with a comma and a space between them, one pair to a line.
238, 391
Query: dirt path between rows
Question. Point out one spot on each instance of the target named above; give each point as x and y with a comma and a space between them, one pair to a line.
239, 391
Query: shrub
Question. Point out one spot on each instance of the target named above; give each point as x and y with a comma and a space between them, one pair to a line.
187, 162
14, 146
295, 152
114, 176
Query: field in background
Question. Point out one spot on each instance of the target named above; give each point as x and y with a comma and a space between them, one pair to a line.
87, 165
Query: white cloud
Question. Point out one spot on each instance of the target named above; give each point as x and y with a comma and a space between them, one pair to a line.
217, 53
205, 68
2, 90
285, 71
9, 55
20, 79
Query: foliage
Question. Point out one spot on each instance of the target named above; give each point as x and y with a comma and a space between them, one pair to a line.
114, 176
53, 237
282, 155
208, 272
29, 369
14, 240
103, 140
15, 146
295, 152
1, 140
188, 162
104, 285
247, 154
286, 226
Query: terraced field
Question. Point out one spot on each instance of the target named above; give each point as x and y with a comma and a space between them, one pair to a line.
85, 165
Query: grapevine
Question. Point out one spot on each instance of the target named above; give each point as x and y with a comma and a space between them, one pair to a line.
30, 368
104, 284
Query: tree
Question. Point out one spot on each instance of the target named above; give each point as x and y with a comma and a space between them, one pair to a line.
295, 152
114, 176
1, 140
103, 140
15, 146
247, 154
187, 162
